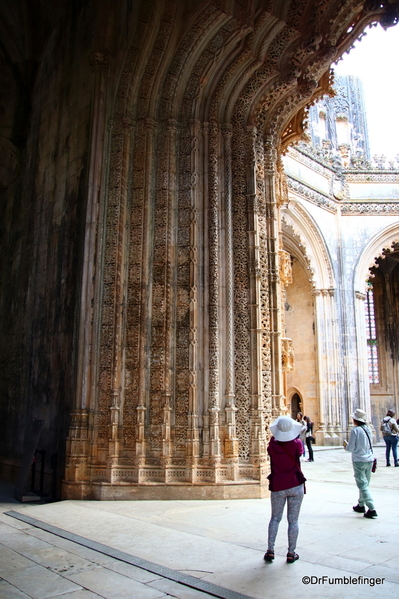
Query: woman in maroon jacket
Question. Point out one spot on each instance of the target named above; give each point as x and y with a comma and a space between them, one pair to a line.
286, 482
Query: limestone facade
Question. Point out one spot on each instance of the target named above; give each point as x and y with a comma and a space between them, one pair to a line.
146, 229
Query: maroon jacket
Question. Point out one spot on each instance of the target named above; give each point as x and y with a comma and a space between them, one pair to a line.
285, 464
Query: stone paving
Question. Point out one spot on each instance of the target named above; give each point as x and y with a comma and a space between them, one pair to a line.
217, 543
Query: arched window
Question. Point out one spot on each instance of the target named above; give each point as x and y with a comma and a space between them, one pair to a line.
372, 343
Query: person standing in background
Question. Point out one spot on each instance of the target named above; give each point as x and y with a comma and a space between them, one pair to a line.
309, 437
302, 434
390, 430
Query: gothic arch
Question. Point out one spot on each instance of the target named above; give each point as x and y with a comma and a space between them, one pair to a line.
384, 239
189, 356
302, 238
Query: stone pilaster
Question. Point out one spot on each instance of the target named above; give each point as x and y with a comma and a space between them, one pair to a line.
193, 443
258, 316
273, 274
146, 294
213, 247
124, 126
231, 441
328, 368
78, 450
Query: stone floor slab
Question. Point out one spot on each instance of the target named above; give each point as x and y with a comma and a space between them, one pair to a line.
8, 591
11, 560
179, 591
39, 583
112, 585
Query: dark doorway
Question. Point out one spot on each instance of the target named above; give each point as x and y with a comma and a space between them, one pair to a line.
296, 405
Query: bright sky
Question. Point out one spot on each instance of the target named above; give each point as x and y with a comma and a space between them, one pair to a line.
375, 61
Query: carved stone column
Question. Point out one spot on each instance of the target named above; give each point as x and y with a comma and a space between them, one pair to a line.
361, 341
231, 441
170, 287
146, 296
258, 294
193, 439
273, 274
79, 441
124, 128
287, 356
213, 241
329, 391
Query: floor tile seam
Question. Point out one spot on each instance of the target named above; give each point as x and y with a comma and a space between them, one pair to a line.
183, 579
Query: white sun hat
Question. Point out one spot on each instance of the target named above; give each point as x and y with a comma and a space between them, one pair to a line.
285, 428
359, 415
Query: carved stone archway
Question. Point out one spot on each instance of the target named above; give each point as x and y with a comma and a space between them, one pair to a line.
187, 370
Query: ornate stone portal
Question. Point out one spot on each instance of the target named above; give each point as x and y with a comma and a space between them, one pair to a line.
185, 367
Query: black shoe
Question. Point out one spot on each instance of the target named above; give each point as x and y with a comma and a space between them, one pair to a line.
269, 556
370, 514
292, 557
313, 461
397, 464
359, 508
388, 465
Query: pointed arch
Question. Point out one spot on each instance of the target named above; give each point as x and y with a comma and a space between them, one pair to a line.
384, 239
303, 239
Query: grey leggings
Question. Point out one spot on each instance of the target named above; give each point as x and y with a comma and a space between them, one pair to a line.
293, 497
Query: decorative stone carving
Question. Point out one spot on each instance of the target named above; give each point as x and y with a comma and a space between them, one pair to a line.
285, 268
190, 352
287, 357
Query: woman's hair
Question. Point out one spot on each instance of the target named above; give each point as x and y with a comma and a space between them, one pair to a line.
357, 422
299, 414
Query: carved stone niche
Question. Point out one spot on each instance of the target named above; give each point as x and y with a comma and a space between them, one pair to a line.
287, 354
285, 268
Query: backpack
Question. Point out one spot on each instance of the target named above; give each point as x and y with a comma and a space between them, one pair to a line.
386, 426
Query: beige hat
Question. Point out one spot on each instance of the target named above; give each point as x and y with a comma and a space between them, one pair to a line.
285, 428
359, 415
